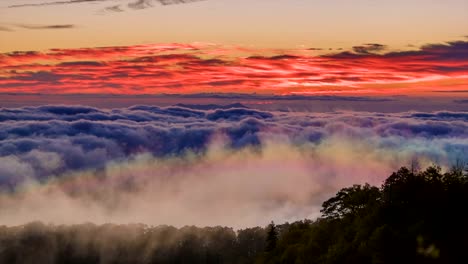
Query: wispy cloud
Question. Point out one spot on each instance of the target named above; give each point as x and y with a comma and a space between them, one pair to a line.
10, 26
4, 28
130, 4
28, 26
369, 48
42, 3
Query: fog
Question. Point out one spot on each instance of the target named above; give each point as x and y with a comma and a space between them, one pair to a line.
238, 188
183, 165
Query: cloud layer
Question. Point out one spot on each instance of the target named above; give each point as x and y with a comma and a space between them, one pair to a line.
184, 68
164, 165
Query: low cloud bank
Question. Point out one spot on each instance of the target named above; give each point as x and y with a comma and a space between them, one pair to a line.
223, 166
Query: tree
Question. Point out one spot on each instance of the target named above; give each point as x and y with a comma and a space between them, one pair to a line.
350, 201
272, 237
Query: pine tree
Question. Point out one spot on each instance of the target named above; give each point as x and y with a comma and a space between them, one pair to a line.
272, 237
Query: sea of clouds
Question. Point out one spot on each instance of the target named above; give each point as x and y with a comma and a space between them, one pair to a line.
182, 165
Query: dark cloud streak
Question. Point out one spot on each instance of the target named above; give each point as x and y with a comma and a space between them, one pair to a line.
57, 3
64, 26
135, 4
3, 28
369, 48
8, 27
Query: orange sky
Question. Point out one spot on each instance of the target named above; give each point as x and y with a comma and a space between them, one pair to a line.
202, 68
303, 47
249, 23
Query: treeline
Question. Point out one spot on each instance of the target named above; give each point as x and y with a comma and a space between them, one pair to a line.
414, 217
88, 243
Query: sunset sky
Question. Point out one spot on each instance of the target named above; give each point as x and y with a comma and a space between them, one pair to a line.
236, 46
253, 23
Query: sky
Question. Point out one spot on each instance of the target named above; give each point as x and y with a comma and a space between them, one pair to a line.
258, 23
113, 111
124, 47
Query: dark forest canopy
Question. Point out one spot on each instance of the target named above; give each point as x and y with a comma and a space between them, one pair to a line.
414, 217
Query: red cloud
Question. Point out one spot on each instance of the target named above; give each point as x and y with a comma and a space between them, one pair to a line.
182, 68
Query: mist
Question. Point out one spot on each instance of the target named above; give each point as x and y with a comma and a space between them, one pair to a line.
182, 165
229, 187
